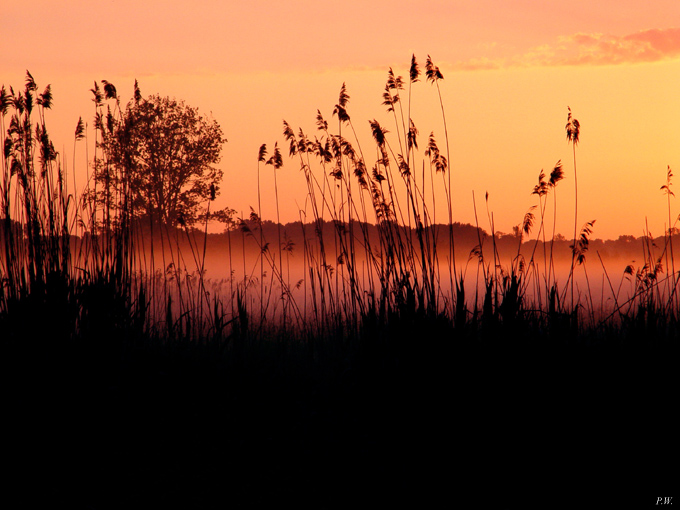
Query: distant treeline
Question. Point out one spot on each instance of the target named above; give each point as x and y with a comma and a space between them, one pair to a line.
466, 237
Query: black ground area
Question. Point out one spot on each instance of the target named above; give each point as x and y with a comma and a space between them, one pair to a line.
429, 425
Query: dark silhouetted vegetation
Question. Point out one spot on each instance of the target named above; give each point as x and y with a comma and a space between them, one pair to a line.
160, 149
370, 354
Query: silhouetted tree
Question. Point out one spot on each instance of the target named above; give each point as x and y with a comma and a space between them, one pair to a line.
160, 153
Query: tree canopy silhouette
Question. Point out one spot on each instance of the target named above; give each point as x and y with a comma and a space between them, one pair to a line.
160, 153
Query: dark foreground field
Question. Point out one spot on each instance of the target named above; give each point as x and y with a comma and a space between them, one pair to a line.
412, 415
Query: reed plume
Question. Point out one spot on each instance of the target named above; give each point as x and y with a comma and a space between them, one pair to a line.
573, 130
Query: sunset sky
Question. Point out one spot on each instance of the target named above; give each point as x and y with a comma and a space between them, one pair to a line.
511, 68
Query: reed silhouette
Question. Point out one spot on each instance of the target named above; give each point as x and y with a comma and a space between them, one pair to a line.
163, 386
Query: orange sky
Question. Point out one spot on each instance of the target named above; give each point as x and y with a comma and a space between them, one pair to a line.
510, 69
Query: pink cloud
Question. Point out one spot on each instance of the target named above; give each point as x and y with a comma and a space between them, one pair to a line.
584, 49
666, 41
645, 46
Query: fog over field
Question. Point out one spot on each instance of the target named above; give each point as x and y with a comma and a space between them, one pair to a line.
609, 276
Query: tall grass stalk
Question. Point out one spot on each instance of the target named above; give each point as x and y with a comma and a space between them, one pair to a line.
573, 129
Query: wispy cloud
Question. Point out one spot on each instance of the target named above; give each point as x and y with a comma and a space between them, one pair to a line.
594, 49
